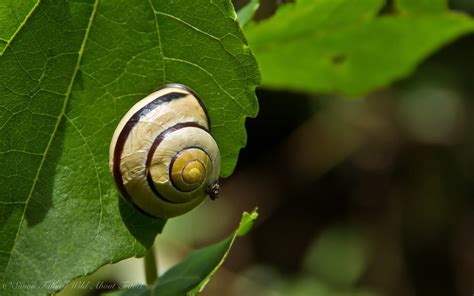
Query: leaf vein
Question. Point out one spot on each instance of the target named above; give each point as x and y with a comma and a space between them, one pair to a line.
50, 141
96, 167
210, 75
19, 27
159, 40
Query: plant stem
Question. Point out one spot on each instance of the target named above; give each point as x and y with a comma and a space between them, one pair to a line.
151, 268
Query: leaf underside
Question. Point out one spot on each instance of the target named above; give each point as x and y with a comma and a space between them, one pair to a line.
246, 13
69, 72
347, 47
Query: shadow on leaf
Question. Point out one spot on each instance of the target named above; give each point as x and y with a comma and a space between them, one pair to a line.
142, 227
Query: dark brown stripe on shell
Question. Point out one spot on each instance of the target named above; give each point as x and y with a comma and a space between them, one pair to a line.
188, 89
122, 138
155, 145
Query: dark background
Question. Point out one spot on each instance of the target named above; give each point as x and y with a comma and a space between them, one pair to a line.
381, 184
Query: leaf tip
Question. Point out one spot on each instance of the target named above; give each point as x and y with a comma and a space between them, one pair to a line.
247, 222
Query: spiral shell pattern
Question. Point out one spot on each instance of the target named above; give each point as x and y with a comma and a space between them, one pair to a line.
162, 157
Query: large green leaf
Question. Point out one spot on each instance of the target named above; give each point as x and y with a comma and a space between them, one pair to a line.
70, 72
191, 276
345, 46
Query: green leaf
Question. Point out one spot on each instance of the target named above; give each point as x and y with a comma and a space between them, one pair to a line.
68, 75
246, 13
344, 46
13, 15
191, 276
422, 6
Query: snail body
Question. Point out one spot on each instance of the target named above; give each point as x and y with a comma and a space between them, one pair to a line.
163, 158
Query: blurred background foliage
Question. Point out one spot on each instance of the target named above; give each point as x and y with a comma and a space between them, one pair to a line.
367, 196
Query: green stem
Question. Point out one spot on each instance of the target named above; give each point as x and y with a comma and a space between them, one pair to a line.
151, 268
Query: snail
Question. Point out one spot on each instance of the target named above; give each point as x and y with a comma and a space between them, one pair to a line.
163, 158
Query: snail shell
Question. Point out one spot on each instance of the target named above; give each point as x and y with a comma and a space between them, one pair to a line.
162, 157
